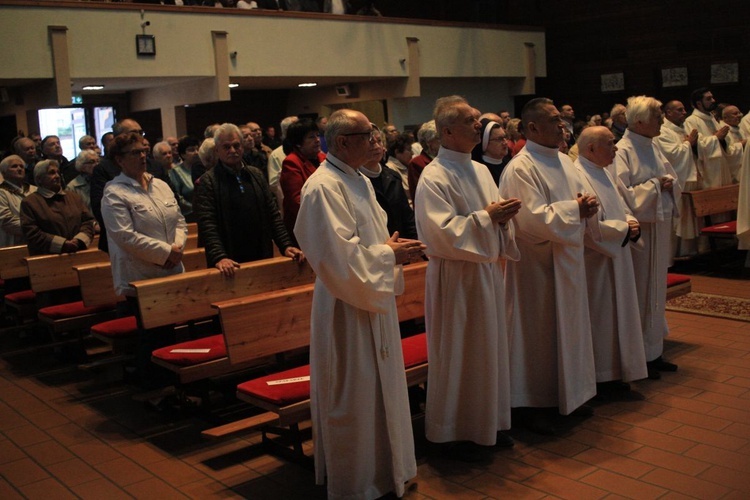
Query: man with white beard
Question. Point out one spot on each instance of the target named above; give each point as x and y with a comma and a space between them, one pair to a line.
650, 188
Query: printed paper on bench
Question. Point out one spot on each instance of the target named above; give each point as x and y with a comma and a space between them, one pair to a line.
190, 351
289, 380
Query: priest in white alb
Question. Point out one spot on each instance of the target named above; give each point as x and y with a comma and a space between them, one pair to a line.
358, 398
730, 117
467, 227
619, 356
649, 186
552, 358
678, 146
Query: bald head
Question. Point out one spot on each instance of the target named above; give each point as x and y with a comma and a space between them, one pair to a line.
597, 144
731, 115
675, 112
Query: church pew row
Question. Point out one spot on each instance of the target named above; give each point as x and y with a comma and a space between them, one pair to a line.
188, 297
280, 322
677, 285
714, 201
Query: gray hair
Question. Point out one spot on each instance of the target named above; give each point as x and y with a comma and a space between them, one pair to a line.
83, 156
40, 169
427, 132
226, 129
207, 153
160, 148
617, 109
84, 139
340, 122
445, 112
640, 108
5, 164
209, 132
285, 123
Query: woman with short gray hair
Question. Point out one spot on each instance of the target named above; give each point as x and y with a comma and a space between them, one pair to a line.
13, 190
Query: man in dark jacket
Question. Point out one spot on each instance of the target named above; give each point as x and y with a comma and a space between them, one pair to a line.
238, 219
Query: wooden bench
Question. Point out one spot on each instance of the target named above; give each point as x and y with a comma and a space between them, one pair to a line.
677, 285
714, 201
188, 297
280, 322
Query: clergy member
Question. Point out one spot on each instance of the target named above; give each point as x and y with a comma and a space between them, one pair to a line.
677, 144
551, 352
730, 117
650, 189
358, 398
713, 157
613, 301
467, 227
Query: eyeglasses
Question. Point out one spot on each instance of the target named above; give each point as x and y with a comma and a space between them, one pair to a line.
370, 134
135, 153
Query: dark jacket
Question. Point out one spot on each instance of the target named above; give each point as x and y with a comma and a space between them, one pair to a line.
391, 196
241, 235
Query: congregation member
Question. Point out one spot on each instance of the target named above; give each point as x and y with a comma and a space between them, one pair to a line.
52, 150
399, 156
85, 163
275, 159
516, 138
87, 142
238, 220
26, 149
322, 123
619, 122
492, 150
252, 156
173, 145
13, 189
208, 159
731, 117
619, 356
466, 226
713, 157
390, 132
568, 116
650, 188
181, 175
677, 143
389, 192
361, 421
303, 159
427, 137
54, 220
146, 234
551, 353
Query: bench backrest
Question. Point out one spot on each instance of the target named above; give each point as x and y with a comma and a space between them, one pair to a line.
714, 200
54, 272
13, 262
274, 322
188, 296
97, 287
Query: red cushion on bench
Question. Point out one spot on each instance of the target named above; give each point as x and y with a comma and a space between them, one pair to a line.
723, 228
73, 310
117, 328
217, 349
677, 279
415, 350
282, 394
22, 297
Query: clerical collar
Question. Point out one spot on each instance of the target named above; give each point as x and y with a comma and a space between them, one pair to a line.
450, 154
637, 139
536, 148
703, 115
585, 162
371, 173
491, 161
341, 166
673, 126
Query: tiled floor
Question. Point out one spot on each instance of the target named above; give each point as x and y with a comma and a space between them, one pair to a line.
67, 434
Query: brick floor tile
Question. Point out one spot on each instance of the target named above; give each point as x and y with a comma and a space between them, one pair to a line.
727, 477
100, 489
123, 471
45, 489
687, 485
739, 382
7, 491
563, 487
175, 472
718, 387
676, 389
73, 472
728, 401
11, 419
47, 418
615, 463
657, 440
612, 444
143, 453
646, 407
694, 405
566, 447
718, 439
488, 484
568, 467
95, 452
668, 460
513, 470
647, 422
207, 488
22, 472
621, 485
696, 419
718, 456
609, 426
69, 434
27, 435
153, 488
9, 452
48, 452
738, 429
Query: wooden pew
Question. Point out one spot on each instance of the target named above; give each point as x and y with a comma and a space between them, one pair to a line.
97, 287
281, 321
13, 262
714, 201
188, 297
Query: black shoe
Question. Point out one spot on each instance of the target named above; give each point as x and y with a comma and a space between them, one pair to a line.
465, 451
617, 390
653, 373
661, 365
583, 411
537, 420
504, 440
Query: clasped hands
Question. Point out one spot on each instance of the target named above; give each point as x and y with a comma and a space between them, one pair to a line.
405, 249
504, 210
588, 205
